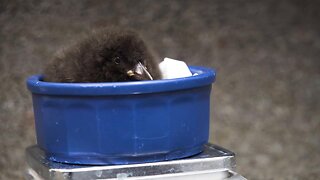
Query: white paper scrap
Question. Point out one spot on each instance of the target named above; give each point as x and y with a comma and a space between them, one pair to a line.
171, 68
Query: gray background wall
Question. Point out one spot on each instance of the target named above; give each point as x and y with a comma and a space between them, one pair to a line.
265, 104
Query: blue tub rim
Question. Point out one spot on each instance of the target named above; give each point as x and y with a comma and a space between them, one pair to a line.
206, 76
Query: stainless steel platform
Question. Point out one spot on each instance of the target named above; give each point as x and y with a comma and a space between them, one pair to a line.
213, 163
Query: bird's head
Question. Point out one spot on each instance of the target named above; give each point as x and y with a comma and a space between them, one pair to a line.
127, 60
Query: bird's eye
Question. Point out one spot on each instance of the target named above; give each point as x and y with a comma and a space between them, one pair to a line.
116, 60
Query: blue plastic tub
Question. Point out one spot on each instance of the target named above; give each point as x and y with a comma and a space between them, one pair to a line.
124, 122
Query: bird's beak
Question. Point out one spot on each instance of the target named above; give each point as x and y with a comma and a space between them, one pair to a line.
139, 72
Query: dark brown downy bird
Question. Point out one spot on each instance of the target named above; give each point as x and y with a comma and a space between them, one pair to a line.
106, 55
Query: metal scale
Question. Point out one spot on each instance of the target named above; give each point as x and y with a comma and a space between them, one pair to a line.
214, 163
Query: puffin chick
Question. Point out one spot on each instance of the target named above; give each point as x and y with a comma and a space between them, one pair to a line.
106, 55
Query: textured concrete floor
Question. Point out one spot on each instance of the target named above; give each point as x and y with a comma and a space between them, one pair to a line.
265, 104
